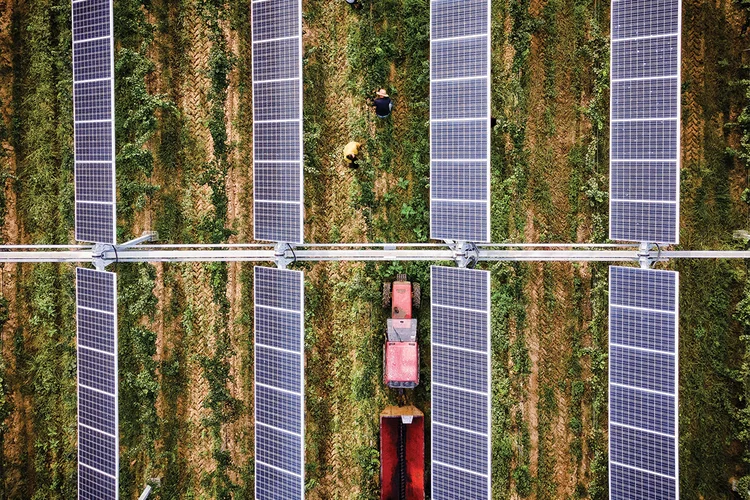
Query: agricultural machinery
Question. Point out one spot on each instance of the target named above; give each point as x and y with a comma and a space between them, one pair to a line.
401, 427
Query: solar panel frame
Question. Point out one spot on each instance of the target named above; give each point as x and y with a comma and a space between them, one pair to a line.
277, 121
645, 96
460, 129
643, 399
461, 418
279, 407
93, 118
97, 409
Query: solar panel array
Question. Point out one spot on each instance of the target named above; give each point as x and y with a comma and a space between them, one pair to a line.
93, 121
459, 120
643, 322
277, 120
460, 383
279, 384
645, 121
98, 441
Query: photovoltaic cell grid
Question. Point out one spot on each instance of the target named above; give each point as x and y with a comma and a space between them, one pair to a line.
93, 116
643, 315
645, 121
98, 442
459, 120
277, 120
460, 383
279, 384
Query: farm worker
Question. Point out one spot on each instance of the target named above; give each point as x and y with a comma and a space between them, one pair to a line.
383, 104
354, 4
351, 152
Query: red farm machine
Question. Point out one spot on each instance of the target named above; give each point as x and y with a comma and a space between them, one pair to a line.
401, 427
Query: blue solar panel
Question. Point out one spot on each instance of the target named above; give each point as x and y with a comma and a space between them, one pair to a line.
277, 120
459, 119
279, 384
460, 383
98, 442
93, 115
645, 121
643, 454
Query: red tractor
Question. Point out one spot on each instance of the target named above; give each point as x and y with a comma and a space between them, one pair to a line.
401, 427
401, 352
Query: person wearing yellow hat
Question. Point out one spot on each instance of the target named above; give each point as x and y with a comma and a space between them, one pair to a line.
382, 103
351, 154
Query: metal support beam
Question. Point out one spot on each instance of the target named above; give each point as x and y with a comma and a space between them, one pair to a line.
316, 254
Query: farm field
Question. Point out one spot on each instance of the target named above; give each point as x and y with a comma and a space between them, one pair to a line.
184, 169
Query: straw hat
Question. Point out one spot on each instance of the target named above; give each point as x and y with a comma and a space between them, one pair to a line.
381, 93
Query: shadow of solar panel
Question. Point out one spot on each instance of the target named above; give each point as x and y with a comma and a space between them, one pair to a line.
646, 140
92, 60
642, 410
278, 449
627, 484
92, 100
278, 221
652, 181
272, 484
276, 59
93, 141
276, 19
464, 140
277, 100
461, 409
91, 19
459, 58
460, 449
277, 181
641, 99
640, 18
454, 484
97, 410
95, 485
97, 450
278, 409
454, 18
643, 450
645, 58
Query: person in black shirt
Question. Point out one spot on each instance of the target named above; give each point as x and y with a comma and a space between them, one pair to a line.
383, 104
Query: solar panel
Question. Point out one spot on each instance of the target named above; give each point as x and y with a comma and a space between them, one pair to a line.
645, 121
460, 383
93, 117
459, 119
279, 384
98, 441
643, 322
277, 120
